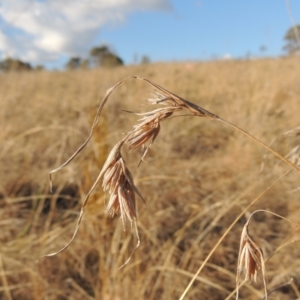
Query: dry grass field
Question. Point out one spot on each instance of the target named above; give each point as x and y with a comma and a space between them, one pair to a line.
199, 175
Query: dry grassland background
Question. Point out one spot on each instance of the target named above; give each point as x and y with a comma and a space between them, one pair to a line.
199, 175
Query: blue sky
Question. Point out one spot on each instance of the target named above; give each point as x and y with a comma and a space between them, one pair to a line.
50, 31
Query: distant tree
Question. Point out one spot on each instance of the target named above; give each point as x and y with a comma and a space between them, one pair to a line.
248, 55
39, 68
135, 58
262, 48
292, 39
99, 51
145, 59
103, 56
111, 60
73, 63
85, 64
10, 64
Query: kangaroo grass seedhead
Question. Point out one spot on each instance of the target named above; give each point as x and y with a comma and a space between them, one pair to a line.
293, 132
148, 129
118, 181
294, 155
250, 259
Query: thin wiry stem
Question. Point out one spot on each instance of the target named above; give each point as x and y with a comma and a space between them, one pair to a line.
95, 122
278, 288
262, 144
272, 213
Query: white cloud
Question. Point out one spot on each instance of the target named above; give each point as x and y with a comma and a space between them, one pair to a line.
227, 56
41, 30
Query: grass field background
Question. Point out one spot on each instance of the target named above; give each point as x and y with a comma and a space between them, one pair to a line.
199, 176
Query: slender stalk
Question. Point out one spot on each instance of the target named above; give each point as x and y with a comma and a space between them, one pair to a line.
261, 143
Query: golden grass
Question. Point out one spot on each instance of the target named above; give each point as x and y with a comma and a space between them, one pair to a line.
198, 177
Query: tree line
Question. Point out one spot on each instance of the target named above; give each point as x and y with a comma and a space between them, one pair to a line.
98, 57
11, 64
103, 56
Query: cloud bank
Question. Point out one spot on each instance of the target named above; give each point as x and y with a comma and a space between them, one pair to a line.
43, 30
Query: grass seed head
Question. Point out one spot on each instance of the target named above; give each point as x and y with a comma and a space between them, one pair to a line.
122, 197
294, 155
293, 132
149, 126
118, 181
250, 259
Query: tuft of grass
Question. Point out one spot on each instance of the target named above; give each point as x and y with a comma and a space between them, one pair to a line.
198, 196
118, 181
